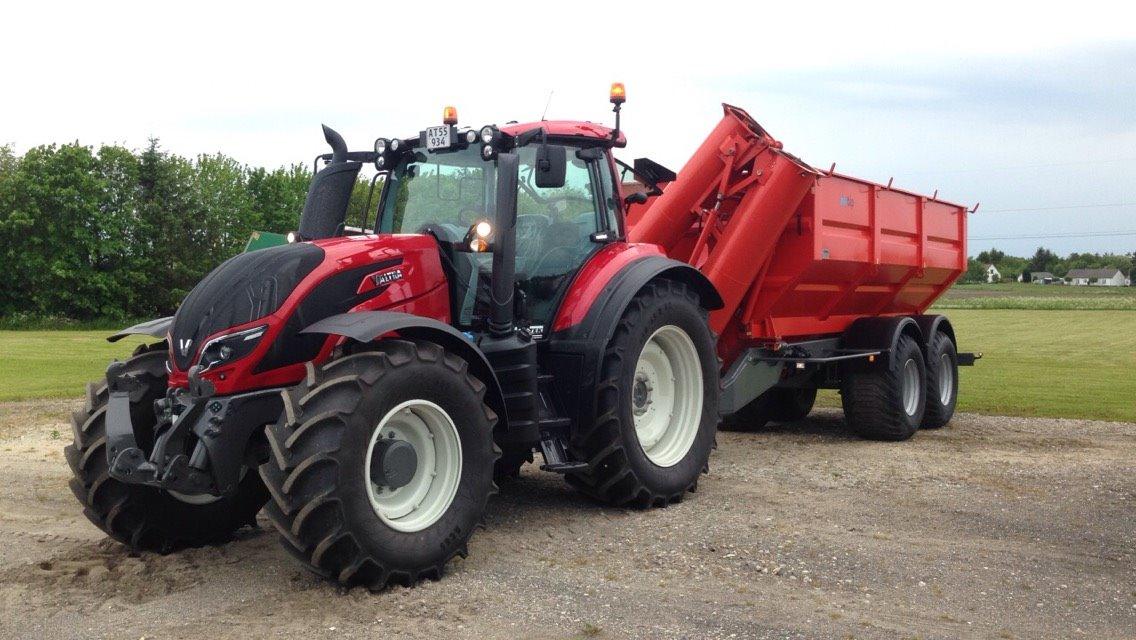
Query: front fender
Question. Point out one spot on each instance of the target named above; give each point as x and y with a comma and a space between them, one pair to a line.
366, 326
157, 328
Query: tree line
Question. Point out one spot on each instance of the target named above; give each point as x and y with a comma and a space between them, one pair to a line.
1044, 260
110, 233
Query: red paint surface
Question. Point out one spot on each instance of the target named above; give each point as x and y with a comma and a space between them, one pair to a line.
422, 290
594, 276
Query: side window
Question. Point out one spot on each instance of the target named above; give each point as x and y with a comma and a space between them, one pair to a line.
554, 229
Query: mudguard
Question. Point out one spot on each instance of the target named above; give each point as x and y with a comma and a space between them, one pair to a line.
365, 326
880, 333
929, 324
157, 328
608, 307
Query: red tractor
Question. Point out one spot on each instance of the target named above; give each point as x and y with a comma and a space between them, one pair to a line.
365, 387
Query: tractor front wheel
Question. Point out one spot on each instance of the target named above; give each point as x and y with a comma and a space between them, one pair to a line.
657, 407
382, 464
146, 518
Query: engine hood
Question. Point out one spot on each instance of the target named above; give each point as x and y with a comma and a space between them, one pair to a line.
244, 288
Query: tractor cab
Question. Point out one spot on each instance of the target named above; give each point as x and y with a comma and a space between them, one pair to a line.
444, 183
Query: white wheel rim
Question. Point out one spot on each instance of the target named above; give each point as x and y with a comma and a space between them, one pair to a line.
202, 498
910, 386
946, 380
666, 396
421, 501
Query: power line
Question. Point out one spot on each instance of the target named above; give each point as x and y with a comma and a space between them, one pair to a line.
1068, 206
1042, 236
1021, 166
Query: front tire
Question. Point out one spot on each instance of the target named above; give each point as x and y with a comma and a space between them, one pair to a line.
657, 403
337, 509
147, 518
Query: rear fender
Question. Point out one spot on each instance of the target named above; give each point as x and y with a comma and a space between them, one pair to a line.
929, 324
576, 353
366, 326
880, 333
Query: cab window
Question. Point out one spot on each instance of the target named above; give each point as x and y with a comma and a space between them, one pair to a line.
554, 229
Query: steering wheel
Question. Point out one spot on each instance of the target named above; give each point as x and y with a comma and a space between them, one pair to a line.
565, 255
531, 228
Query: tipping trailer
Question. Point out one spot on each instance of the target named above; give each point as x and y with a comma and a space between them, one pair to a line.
821, 276
508, 295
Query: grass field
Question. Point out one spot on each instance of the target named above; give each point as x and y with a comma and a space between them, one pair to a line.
1078, 364
1013, 295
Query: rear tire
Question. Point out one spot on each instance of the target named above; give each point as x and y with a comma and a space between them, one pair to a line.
752, 417
792, 405
330, 512
887, 403
775, 405
146, 518
942, 381
657, 403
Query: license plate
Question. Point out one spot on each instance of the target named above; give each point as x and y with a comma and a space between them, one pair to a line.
437, 138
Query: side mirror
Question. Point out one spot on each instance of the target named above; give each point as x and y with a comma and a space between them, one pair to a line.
636, 198
551, 166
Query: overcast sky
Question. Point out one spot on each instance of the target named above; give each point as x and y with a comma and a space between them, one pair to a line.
1024, 108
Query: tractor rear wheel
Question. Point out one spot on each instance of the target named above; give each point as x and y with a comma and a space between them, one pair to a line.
146, 518
382, 464
887, 402
657, 406
942, 381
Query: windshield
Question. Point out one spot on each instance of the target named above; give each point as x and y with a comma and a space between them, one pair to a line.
452, 190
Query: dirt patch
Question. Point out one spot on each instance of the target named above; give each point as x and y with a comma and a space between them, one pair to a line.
991, 527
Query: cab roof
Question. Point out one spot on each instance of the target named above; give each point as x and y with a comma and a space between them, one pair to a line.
567, 128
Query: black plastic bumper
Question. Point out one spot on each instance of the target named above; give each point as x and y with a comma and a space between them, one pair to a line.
222, 425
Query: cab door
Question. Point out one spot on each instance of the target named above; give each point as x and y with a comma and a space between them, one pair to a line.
558, 229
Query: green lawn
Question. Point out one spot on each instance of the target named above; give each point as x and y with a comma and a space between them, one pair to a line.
56, 364
1079, 364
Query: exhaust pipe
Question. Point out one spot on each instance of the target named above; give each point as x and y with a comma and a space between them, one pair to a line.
325, 209
504, 245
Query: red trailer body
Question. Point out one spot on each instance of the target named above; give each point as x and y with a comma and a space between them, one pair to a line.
794, 252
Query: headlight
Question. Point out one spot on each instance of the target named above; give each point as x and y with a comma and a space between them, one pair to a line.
487, 134
483, 229
381, 145
380, 162
230, 348
487, 152
395, 144
471, 136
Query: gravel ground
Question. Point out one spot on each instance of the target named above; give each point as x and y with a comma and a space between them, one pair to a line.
993, 527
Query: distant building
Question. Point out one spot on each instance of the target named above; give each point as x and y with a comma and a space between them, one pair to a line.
992, 274
1109, 277
1044, 277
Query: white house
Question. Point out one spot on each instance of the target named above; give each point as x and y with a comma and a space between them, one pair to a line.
1096, 277
992, 274
1043, 277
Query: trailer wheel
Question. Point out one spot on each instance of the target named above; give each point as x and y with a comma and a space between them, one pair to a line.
752, 417
887, 403
942, 381
657, 405
791, 405
510, 463
382, 463
146, 518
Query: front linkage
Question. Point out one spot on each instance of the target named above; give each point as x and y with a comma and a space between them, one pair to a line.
222, 426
